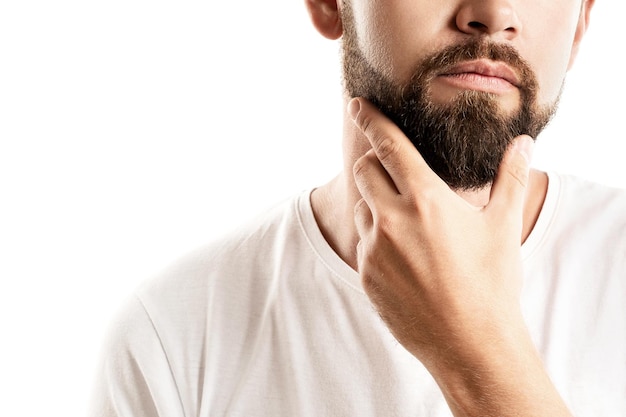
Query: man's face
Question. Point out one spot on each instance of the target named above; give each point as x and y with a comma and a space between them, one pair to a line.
452, 75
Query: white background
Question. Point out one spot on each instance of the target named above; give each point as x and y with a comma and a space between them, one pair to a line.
133, 131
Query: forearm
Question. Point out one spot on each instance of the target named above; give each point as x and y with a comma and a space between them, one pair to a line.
508, 379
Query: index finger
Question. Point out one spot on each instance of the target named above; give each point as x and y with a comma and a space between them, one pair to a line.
402, 161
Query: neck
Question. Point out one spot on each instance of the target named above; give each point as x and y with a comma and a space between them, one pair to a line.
333, 204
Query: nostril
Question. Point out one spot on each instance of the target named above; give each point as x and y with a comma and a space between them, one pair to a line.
477, 25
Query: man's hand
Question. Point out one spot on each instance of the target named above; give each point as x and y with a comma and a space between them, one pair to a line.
445, 276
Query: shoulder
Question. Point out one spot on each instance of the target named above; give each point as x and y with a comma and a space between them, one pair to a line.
227, 259
598, 193
590, 200
588, 213
161, 331
133, 373
227, 280
232, 266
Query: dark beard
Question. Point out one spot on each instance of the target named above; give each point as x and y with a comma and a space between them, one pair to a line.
463, 141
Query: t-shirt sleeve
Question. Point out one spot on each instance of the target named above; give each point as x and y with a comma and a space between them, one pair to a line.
134, 377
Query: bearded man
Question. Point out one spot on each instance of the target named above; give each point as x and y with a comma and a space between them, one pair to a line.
437, 275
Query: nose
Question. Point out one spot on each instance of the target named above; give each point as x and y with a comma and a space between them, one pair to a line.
496, 18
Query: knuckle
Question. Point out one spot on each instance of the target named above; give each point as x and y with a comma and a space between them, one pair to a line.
363, 164
359, 166
359, 207
362, 215
388, 228
386, 147
386, 225
423, 196
364, 121
424, 201
383, 144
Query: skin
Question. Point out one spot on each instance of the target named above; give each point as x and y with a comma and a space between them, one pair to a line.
449, 288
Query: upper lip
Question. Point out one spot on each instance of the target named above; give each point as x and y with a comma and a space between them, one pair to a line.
487, 68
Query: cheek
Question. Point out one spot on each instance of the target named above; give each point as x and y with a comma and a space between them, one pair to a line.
372, 38
551, 78
551, 60
393, 49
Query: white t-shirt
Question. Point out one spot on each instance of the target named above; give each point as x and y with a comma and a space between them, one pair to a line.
271, 322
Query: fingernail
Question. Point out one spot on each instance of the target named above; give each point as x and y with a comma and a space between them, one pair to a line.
524, 146
354, 106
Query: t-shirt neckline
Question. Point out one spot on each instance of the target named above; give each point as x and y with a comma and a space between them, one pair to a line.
343, 271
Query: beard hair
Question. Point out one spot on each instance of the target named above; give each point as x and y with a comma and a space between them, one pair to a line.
463, 141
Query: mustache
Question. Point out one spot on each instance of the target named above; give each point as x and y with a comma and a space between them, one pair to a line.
474, 49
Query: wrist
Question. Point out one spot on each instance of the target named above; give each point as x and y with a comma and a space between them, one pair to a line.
505, 378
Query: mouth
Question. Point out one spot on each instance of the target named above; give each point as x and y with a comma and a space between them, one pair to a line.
482, 75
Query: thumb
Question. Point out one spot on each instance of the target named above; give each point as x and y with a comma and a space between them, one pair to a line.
509, 187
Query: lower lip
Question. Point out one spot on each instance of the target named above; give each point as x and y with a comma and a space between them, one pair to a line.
478, 82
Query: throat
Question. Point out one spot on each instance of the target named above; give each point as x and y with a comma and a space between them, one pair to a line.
333, 209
